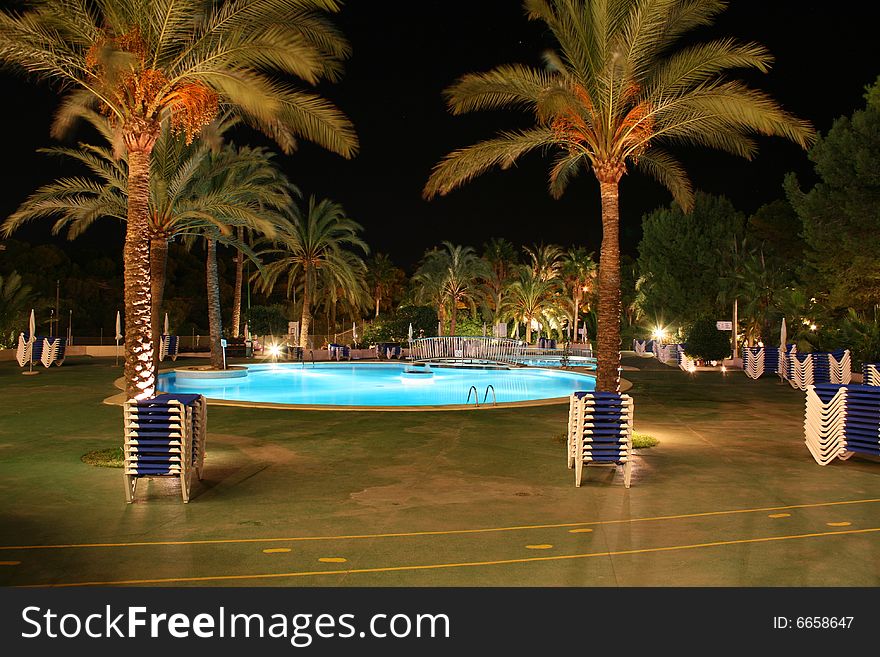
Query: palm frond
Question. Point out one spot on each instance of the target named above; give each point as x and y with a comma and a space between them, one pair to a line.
669, 172
515, 86
465, 164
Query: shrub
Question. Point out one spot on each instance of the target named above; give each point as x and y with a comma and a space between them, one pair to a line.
704, 341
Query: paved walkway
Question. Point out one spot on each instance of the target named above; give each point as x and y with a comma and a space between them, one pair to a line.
730, 497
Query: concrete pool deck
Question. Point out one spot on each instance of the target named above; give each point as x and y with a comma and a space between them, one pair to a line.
730, 496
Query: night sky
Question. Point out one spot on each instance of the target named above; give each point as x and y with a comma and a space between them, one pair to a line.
406, 52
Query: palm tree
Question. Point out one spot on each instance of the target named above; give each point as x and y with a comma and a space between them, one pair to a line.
545, 260
578, 272
311, 244
501, 256
179, 203
236, 188
530, 298
336, 291
383, 277
460, 269
429, 284
621, 86
141, 62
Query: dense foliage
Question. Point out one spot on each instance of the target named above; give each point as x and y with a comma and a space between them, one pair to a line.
703, 341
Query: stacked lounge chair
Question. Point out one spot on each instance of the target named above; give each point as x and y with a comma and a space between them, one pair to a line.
841, 420
600, 432
666, 353
164, 437
337, 351
53, 351
871, 374
758, 361
168, 346
804, 370
27, 352
799, 370
753, 361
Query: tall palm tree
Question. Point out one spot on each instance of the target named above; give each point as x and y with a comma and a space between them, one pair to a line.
622, 84
429, 284
141, 62
179, 204
237, 187
383, 277
461, 269
578, 271
311, 244
501, 256
530, 297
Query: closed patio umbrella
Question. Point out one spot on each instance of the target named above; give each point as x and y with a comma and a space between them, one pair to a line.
167, 332
32, 330
118, 334
783, 366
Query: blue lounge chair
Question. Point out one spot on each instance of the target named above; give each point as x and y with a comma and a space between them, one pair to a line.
164, 437
600, 432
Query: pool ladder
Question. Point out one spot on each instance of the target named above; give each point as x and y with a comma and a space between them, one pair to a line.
485, 395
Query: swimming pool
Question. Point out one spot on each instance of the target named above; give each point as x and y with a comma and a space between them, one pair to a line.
371, 385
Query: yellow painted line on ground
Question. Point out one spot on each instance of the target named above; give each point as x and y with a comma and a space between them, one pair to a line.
539, 546
9, 563
779, 515
838, 524
275, 550
332, 559
440, 566
445, 532
579, 531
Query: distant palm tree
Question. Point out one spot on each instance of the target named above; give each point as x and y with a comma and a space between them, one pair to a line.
545, 260
335, 293
460, 270
141, 62
310, 245
429, 284
501, 257
622, 83
578, 271
530, 298
383, 277
238, 187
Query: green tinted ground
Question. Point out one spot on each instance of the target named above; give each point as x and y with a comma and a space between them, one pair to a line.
730, 496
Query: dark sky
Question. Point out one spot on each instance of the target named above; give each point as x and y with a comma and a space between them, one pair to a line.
406, 52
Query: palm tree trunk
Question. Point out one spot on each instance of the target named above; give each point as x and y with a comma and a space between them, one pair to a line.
528, 321
158, 269
577, 307
454, 317
215, 321
139, 372
236, 294
378, 298
306, 319
608, 340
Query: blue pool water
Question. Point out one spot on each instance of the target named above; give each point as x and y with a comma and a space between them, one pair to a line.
380, 384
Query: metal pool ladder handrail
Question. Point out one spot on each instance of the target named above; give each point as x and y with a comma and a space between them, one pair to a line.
476, 396
485, 396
